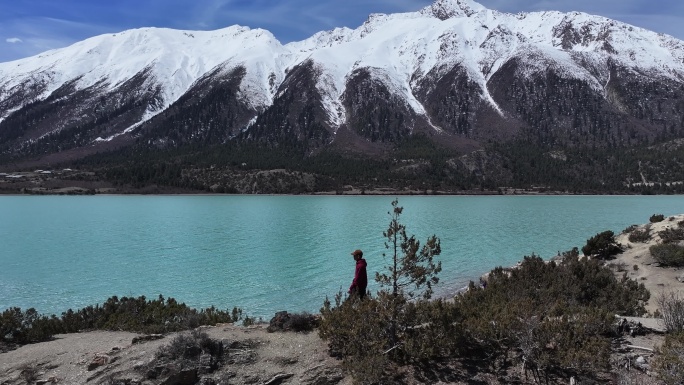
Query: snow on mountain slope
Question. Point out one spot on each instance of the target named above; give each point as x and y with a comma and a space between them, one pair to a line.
398, 50
175, 60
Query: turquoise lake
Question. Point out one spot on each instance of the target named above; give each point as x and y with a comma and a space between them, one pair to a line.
271, 253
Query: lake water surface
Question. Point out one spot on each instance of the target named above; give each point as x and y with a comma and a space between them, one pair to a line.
270, 253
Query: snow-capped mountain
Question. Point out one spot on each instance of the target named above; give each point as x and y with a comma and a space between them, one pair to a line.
455, 71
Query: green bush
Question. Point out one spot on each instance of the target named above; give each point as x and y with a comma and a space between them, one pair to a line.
145, 316
557, 314
19, 327
355, 331
668, 254
655, 218
602, 245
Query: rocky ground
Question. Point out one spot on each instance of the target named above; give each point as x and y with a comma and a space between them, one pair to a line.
633, 354
252, 355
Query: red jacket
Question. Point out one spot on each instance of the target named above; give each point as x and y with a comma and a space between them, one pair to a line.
360, 278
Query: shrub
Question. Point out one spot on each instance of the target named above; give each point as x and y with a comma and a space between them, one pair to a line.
355, 331
191, 345
640, 235
302, 322
298, 322
568, 306
602, 245
144, 316
672, 235
29, 372
185, 350
669, 360
655, 218
558, 315
128, 314
671, 308
668, 254
249, 321
19, 327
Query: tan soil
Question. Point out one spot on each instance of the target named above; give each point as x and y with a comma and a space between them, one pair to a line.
65, 359
657, 279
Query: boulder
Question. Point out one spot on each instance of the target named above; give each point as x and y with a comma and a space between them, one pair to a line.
98, 360
278, 322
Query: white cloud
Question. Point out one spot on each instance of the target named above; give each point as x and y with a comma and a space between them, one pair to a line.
14, 40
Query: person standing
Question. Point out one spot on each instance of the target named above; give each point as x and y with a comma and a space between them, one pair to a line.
360, 282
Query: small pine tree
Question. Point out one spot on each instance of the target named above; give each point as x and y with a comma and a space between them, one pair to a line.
412, 269
411, 265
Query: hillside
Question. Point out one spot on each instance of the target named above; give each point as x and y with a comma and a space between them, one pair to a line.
454, 96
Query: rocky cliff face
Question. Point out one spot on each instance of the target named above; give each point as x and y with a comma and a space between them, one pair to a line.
455, 71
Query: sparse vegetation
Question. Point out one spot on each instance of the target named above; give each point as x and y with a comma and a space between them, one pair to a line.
553, 318
372, 333
669, 362
640, 235
161, 315
29, 372
672, 235
190, 346
671, 308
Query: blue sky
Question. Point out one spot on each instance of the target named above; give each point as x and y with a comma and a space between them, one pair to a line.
28, 27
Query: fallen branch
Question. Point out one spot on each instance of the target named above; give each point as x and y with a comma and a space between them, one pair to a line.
639, 347
392, 348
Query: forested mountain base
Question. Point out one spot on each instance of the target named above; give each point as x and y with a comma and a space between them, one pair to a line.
417, 165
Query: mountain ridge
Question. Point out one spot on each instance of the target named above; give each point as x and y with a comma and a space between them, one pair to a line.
454, 71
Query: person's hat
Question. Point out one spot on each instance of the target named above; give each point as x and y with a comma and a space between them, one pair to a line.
357, 252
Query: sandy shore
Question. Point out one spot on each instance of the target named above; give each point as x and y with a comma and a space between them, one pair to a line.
639, 265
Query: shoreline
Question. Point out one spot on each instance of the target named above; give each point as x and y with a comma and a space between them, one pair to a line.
94, 356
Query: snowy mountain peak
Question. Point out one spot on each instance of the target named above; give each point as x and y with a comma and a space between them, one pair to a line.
449, 67
446, 9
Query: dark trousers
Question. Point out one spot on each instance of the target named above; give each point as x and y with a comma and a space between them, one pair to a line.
358, 291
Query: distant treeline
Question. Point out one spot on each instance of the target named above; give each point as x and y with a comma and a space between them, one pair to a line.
415, 163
